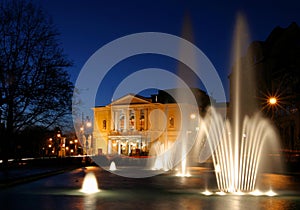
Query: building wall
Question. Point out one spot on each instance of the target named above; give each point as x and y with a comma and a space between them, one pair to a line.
146, 123
102, 117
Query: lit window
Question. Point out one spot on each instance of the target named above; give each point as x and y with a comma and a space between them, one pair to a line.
131, 119
142, 120
122, 122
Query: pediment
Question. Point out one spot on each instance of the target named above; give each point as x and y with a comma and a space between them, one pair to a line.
131, 99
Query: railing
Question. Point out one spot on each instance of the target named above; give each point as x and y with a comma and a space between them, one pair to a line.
127, 133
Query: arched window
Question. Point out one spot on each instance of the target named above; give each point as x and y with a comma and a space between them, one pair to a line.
122, 122
104, 124
171, 122
131, 120
142, 120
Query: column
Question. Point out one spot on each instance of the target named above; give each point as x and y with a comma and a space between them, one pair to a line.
119, 147
109, 147
116, 115
129, 147
127, 119
112, 120
146, 119
135, 119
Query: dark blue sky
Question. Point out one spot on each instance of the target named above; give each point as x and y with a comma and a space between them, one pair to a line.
86, 25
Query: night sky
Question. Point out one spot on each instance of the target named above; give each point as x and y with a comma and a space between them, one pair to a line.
87, 25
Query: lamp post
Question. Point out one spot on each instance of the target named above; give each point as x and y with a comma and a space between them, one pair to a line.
272, 101
59, 144
75, 147
86, 133
49, 151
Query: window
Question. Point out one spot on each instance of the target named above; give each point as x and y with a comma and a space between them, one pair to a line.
142, 120
171, 122
122, 122
131, 120
104, 124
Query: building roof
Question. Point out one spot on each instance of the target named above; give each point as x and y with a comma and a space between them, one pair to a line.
131, 99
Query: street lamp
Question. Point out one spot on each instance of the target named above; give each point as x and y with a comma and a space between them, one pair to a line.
76, 142
88, 126
193, 116
85, 131
272, 100
50, 147
59, 144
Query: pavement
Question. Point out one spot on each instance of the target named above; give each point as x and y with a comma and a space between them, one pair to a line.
16, 176
32, 170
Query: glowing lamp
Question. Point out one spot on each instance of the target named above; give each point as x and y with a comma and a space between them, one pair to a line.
272, 100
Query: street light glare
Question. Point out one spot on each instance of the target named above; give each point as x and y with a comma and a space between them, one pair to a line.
89, 124
272, 100
192, 116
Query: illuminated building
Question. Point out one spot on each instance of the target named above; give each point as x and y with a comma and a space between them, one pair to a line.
130, 124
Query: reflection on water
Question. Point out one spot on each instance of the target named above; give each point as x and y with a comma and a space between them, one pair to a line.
152, 200
249, 203
90, 202
279, 204
162, 192
279, 182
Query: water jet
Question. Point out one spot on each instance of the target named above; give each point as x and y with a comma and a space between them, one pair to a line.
112, 166
90, 184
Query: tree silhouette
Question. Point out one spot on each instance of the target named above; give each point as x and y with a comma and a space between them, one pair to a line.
34, 84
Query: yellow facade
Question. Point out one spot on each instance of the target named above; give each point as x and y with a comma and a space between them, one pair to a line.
131, 124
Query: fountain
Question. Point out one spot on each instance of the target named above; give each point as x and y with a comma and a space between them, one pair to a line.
90, 184
237, 149
113, 166
166, 157
237, 145
237, 160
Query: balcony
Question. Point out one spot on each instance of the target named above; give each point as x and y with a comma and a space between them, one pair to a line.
128, 133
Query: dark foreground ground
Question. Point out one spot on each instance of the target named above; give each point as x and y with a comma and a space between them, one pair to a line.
22, 171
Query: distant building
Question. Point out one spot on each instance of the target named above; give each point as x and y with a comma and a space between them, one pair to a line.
129, 126
275, 65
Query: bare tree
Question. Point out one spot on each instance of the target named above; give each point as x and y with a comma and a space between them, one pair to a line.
34, 85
